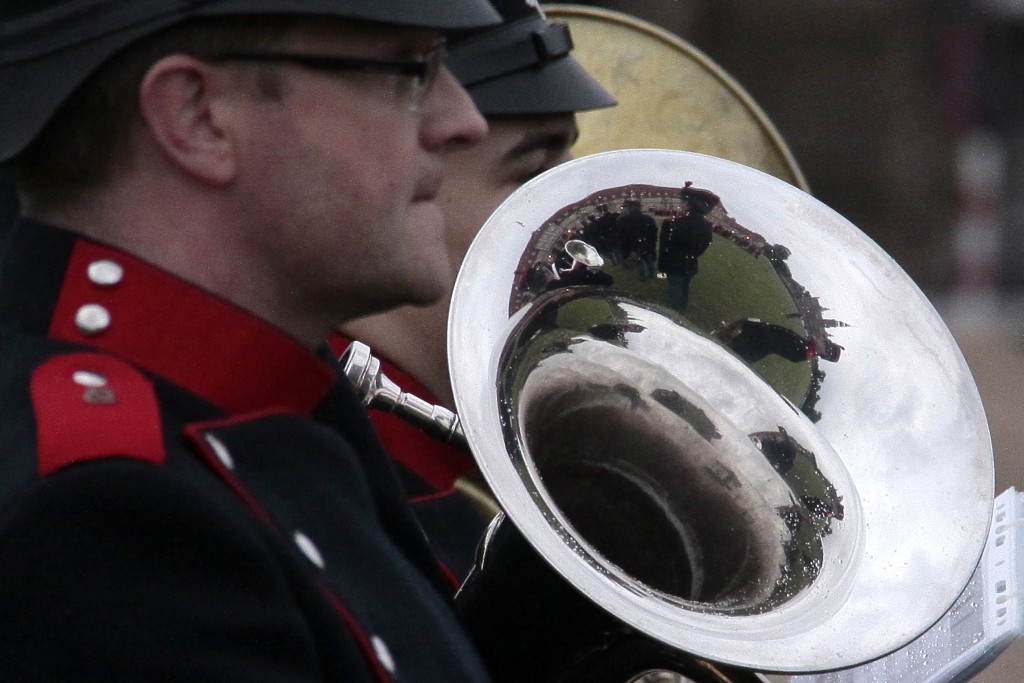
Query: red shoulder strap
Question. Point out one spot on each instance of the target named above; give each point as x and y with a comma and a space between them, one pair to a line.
89, 406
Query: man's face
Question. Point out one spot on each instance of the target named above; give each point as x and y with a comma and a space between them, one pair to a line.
516, 149
343, 178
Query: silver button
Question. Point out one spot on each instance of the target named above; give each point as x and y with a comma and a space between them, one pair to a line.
383, 653
96, 390
92, 319
88, 378
309, 549
220, 450
105, 272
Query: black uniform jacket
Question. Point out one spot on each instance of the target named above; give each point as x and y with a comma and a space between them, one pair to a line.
187, 494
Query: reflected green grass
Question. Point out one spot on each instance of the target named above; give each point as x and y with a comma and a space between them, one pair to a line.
732, 284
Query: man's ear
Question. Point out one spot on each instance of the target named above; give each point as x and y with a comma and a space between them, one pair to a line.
178, 102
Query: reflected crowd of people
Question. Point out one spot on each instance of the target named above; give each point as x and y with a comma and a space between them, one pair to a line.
632, 239
752, 340
666, 241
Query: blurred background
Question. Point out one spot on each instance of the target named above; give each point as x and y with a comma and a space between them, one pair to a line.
907, 117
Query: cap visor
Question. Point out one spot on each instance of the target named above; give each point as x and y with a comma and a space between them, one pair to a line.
444, 14
35, 88
39, 86
557, 87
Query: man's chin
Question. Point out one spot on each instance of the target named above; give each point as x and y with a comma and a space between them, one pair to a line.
430, 290
430, 266
427, 280
409, 292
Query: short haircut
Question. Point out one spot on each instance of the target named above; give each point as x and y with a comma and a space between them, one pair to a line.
89, 136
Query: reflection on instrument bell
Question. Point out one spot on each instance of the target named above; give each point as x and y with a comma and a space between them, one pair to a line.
583, 253
767, 456
779, 504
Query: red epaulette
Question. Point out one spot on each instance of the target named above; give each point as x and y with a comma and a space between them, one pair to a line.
88, 406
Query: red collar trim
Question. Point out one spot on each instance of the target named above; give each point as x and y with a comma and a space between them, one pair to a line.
184, 334
438, 463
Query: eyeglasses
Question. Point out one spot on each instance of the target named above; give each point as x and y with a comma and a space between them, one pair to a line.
422, 71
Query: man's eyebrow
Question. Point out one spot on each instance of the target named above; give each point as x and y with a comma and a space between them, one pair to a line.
544, 140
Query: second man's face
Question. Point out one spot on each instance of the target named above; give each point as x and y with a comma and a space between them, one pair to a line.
480, 178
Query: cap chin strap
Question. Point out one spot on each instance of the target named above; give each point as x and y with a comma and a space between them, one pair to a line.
522, 44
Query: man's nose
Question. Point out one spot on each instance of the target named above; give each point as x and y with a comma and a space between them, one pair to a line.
451, 120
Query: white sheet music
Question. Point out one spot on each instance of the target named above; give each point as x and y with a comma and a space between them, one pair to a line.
983, 622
